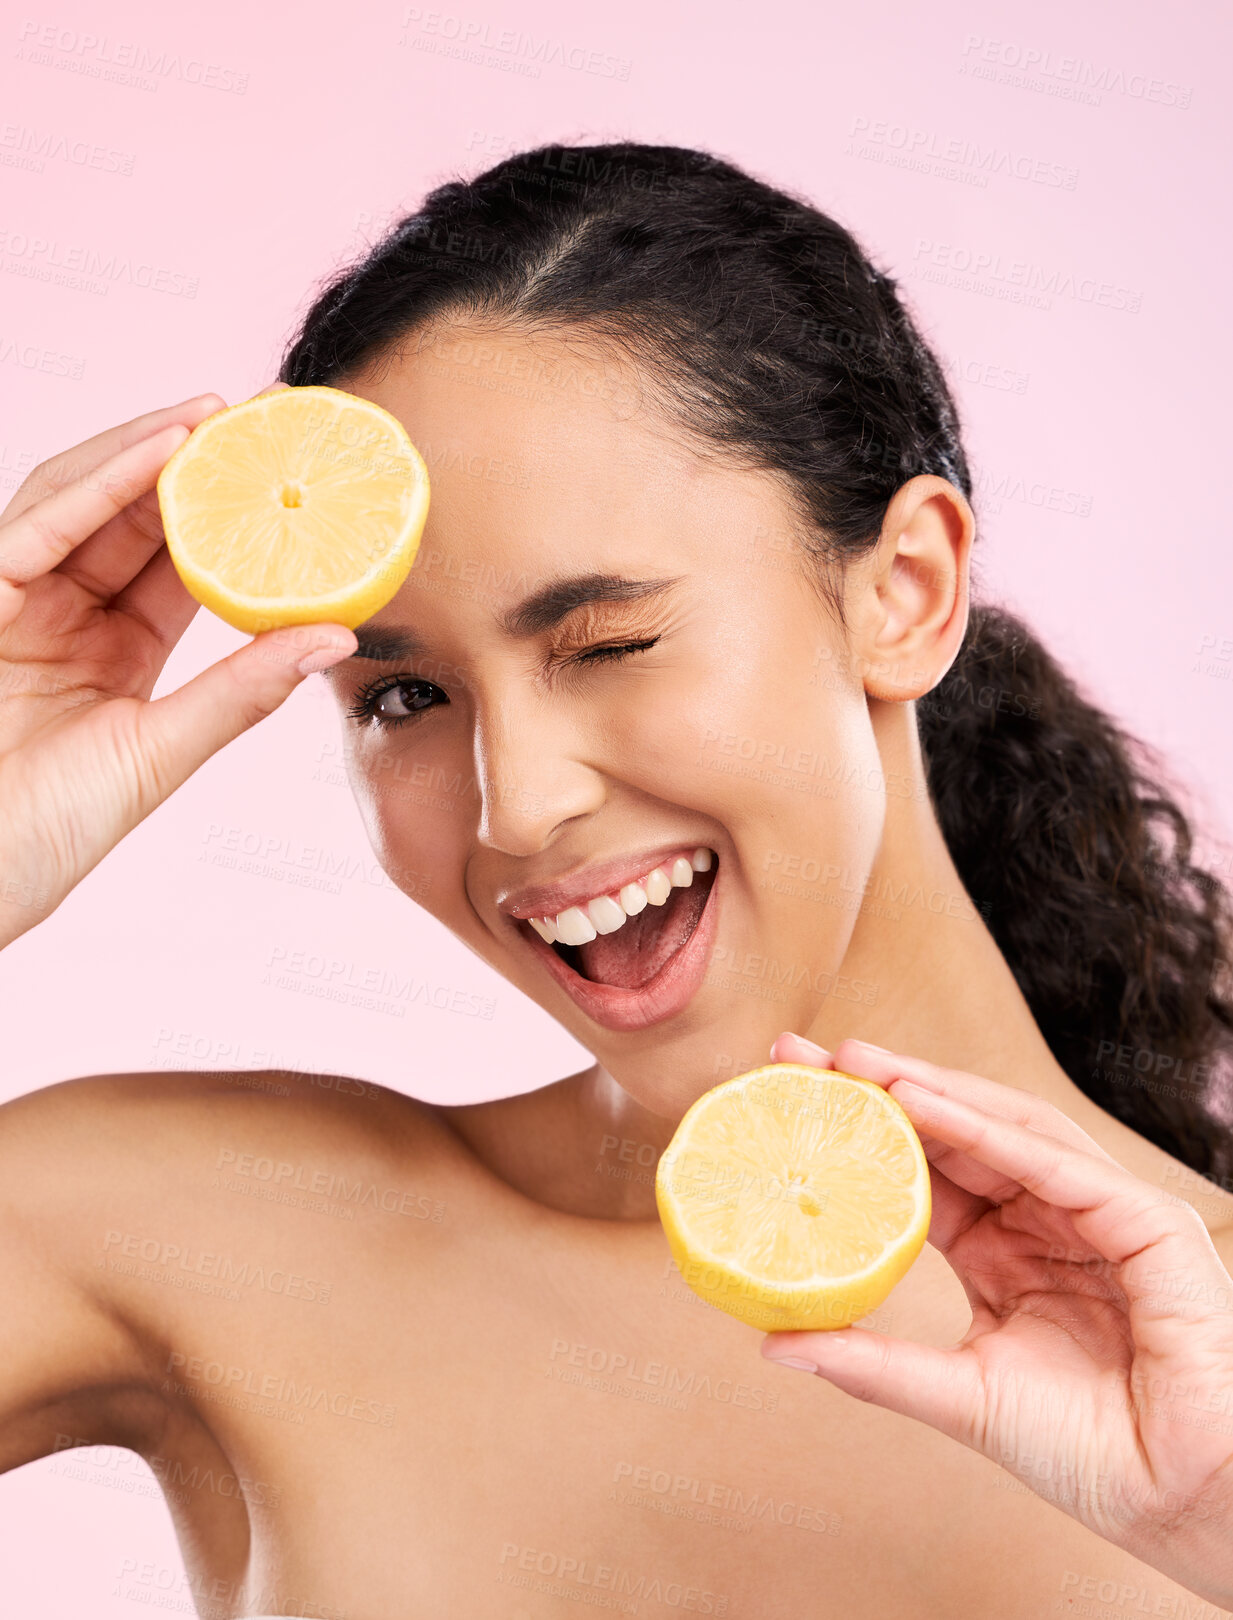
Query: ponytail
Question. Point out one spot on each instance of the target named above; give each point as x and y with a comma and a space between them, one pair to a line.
1079, 860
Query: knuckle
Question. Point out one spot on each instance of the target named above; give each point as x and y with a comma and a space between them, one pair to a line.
120, 488
46, 531
1037, 1114
42, 477
1051, 1162
850, 1046
146, 517
251, 700
150, 771
1189, 1221
869, 1380
141, 752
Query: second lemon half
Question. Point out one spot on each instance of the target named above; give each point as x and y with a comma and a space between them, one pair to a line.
301, 506
794, 1197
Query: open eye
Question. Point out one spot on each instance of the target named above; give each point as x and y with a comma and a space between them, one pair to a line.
413, 694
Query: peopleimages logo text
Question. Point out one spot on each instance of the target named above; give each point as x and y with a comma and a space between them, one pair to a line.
37, 41
936, 260
1076, 71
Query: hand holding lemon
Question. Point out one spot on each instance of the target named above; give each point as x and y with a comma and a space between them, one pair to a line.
294, 515
1098, 1366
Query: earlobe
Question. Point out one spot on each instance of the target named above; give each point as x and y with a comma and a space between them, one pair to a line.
921, 589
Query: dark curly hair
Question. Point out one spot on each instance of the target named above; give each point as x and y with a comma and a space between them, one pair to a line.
775, 337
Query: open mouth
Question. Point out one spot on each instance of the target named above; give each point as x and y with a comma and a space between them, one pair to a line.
637, 956
636, 951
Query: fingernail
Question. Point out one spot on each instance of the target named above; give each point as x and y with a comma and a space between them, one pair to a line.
794, 1361
323, 658
789, 1035
873, 1047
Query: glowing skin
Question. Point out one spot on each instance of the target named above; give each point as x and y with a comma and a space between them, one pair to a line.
485, 1366
755, 726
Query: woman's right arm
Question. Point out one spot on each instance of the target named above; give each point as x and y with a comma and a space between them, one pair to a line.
73, 1370
90, 609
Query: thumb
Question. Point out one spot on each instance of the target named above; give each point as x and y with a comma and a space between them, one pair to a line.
181, 730
940, 1387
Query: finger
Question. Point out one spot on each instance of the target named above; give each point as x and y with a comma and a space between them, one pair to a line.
960, 1169
883, 1068
41, 537
990, 1096
73, 464
110, 559
943, 1388
953, 1209
1151, 1243
116, 553
178, 732
1022, 1157
789, 1048
159, 598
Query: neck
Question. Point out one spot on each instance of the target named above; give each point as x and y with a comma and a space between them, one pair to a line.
943, 989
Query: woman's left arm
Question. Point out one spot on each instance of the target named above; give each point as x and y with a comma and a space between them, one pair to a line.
1098, 1368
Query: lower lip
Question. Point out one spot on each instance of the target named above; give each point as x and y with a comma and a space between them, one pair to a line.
668, 993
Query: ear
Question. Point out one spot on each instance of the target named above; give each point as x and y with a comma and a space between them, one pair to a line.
911, 608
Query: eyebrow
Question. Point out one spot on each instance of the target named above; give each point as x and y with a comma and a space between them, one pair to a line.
559, 597
540, 611
385, 646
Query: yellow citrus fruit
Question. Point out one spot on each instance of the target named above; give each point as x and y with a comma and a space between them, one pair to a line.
794, 1197
303, 506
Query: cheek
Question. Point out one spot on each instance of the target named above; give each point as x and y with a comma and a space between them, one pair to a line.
789, 768
741, 732
419, 813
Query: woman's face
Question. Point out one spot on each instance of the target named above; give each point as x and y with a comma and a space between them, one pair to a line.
613, 664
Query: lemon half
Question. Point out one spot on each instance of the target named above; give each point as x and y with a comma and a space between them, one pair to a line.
794, 1197
302, 506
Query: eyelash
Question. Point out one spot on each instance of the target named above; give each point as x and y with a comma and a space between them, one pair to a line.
365, 706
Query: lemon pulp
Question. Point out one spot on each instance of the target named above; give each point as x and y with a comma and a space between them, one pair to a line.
297, 507
794, 1197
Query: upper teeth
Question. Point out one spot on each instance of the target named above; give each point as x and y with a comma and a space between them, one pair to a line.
607, 912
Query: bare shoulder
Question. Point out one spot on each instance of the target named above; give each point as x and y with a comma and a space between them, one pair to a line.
136, 1209
110, 1167
147, 1125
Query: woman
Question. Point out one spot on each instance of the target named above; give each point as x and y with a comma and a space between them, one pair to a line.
686, 710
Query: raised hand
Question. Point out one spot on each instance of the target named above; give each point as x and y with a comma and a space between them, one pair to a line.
1098, 1368
90, 608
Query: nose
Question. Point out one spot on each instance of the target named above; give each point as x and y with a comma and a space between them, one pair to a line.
531, 782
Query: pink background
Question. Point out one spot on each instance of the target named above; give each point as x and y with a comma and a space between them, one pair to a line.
255, 152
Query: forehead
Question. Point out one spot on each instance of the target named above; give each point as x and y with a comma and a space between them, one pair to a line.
546, 449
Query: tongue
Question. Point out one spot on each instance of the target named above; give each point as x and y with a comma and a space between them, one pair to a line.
641, 946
